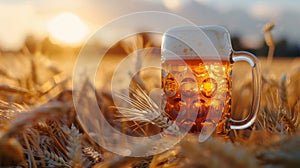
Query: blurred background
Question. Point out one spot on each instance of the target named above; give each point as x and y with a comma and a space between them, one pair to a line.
59, 27
40, 41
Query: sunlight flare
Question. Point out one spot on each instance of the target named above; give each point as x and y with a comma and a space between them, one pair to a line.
67, 28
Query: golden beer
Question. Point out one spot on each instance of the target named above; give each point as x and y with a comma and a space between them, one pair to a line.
193, 88
196, 78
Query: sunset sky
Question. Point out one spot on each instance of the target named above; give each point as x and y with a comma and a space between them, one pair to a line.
245, 18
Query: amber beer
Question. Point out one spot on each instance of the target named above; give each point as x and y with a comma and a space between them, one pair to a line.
193, 88
196, 78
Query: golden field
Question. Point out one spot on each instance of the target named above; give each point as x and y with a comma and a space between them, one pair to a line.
39, 127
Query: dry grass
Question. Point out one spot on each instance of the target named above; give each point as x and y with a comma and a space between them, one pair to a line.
38, 126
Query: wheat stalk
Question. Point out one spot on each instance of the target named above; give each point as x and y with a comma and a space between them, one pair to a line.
29, 151
270, 42
53, 159
74, 145
283, 94
296, 111
46, 111
286, 115
8, 111
145, 110
15, 90
91, 156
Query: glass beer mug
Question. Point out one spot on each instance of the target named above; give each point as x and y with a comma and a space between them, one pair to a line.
197, 79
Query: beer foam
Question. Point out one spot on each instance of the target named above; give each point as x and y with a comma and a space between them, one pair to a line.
207, 42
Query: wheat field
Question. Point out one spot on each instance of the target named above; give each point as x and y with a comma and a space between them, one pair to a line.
39, 125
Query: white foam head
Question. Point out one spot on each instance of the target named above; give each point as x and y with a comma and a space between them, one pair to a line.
207, 42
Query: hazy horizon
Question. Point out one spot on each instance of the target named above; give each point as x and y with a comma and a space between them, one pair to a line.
244, 18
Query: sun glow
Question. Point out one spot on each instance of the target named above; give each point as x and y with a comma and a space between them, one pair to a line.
67, 28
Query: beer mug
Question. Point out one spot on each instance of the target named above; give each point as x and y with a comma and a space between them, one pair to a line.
197, 79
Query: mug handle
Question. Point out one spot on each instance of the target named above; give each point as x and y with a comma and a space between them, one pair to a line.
256, 89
